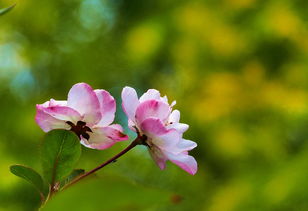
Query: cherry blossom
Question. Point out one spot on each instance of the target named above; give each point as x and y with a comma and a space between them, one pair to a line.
87, 112
152, 117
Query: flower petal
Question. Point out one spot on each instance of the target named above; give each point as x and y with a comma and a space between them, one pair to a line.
83, 99
107, 107
153, 127
180, 127
152, 109
117, 127
159, 135
130, 102
186, 145
164, 99
61, 112
151, 94
184, 161
53, 102
132, 125
173, 103
158, 156
113, 133
48, 122
174, 116
103, 137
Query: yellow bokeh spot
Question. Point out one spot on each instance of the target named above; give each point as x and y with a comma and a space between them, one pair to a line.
225, 40
283, 20
192, 18
222, 92
278, 96
143, 41
230, 141
278, 188
208, 28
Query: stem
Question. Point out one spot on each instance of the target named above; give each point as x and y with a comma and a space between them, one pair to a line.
136, 142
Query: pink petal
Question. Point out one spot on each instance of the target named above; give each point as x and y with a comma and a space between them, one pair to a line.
152, 109
184, 161
114, 134
158, 156
103, 138
174, 116
130, 102
117, 127
151, 94
61, 113
153, 127
48, 122
159, 135
83, 99
107, 107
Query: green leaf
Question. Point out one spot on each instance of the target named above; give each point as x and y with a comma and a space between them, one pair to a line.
61, 151
32, 177
75, 173
5, 10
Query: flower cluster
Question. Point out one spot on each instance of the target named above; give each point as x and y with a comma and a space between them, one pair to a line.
90, 113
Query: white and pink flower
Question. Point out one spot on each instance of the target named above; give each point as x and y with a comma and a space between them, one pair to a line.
87, 112
152, 116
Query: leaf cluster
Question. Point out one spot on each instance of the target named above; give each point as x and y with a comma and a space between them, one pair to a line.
60, 153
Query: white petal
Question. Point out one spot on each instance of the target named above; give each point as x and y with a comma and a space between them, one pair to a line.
186, 145
130, 102
151, 94
180, 127
174, 116
53, 102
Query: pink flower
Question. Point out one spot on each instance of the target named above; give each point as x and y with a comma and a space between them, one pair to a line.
87, 112
152, 116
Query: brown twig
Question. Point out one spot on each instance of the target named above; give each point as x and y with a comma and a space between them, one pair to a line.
139, 140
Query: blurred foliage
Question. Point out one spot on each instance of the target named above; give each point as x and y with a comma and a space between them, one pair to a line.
6, 10
237, 68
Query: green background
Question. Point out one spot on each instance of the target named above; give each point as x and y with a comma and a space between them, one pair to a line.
237, 68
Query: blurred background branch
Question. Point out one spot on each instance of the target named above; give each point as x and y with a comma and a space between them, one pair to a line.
6, 10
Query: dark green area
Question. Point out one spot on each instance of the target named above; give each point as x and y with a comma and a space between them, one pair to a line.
32, 177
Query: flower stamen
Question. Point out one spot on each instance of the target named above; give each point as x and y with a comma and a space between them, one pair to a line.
80, 129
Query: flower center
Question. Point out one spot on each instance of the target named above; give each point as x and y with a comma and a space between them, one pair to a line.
80, 129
